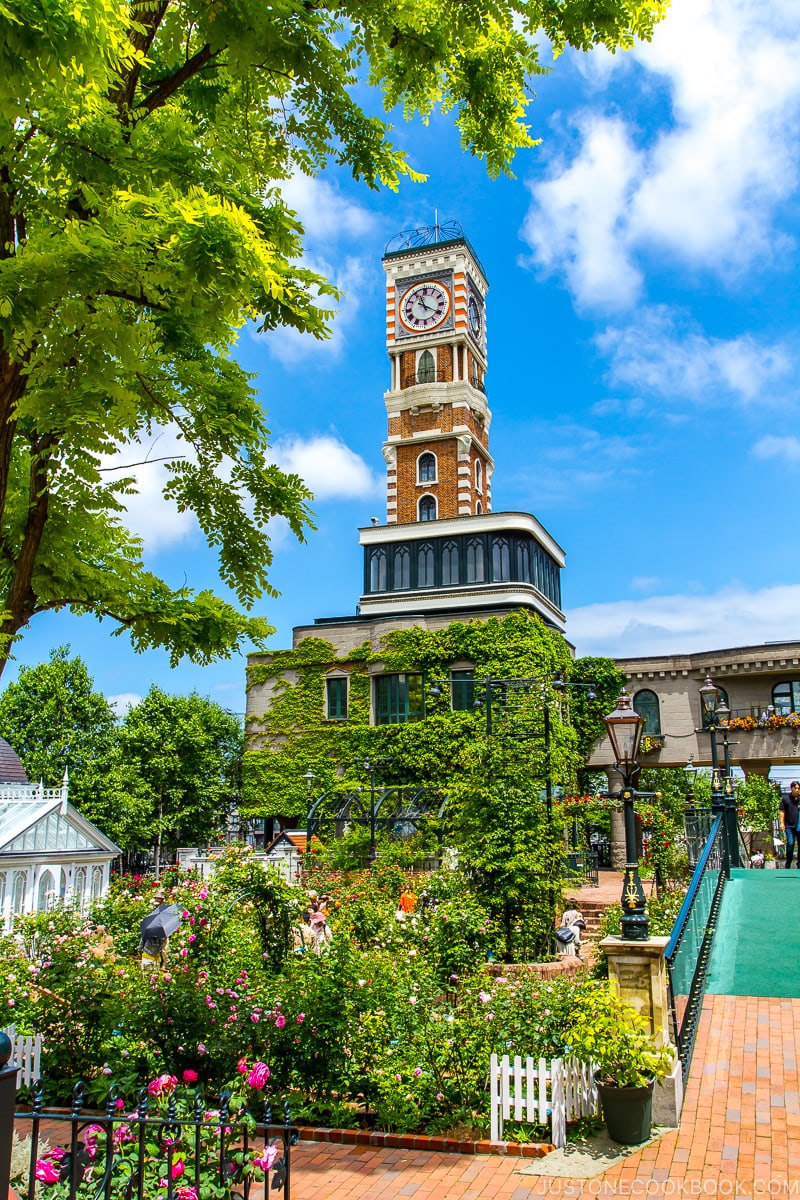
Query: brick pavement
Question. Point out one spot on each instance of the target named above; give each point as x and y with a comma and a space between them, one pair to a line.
739, 1133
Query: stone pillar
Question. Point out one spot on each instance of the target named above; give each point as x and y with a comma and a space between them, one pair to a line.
637, 972
617, 834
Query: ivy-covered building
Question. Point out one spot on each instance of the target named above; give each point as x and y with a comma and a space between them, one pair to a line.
443, 561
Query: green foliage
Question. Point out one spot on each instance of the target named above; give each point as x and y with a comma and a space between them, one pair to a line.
758, 801
615, 1037
56, 722
141, 229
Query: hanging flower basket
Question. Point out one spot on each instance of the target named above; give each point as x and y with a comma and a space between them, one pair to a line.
651, 743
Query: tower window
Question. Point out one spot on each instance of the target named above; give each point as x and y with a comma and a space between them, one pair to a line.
425, 567
645, 703
450, 566
377, 571
426, 368
336, 698
479, 476
523, 562
402, 568
476, 563
501, 560
427, 508
478, 508
426, 468
398, 698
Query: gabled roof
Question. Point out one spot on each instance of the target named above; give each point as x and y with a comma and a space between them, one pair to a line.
11, 769
297, 839
42, 822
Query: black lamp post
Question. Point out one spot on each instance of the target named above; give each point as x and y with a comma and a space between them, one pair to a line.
372, 766
625, 727
716, 716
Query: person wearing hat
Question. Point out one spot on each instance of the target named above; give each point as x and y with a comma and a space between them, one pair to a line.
320, 931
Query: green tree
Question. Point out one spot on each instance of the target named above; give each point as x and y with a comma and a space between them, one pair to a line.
56, 721
140, 228
180, 759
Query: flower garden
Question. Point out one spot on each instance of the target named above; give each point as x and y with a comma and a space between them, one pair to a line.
392, 1025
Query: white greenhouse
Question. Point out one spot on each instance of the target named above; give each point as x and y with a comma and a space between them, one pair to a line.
48, 851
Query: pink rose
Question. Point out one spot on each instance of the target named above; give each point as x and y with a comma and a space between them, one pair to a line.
162, 1086
45, 1172
300, 1018
266, 1159
190, 1076
280, 1021
259, 1074
417, 1071
177, 1168
186, 1193
241, 1066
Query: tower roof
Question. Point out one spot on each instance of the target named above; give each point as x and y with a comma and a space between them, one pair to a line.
11, 769
442, 236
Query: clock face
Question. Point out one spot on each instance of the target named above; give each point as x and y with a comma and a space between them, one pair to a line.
424, 307
474, 316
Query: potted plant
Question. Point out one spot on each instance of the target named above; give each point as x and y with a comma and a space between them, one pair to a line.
627, 1062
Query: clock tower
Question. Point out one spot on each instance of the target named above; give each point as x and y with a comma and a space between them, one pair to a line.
437, 446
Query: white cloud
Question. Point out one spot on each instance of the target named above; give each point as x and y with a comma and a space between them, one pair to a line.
122, 702
785, 449
666, 353
149, 515
678, 624
329, 468
705, 188
290, 346
571, 462
324, 212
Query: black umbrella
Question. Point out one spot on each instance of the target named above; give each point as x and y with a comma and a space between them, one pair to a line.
161, 923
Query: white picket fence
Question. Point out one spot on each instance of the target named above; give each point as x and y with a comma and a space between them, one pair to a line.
540, 1092
26, 1053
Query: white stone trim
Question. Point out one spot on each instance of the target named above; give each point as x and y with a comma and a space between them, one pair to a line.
502, 522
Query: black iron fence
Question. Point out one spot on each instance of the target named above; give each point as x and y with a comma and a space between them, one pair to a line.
689, 948
172, 1148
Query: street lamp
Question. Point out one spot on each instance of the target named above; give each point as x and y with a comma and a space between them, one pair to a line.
625, 728
372, 766
716, 716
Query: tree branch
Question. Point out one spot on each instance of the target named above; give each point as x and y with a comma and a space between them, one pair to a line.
169, 86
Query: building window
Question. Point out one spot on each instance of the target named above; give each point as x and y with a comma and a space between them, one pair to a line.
427, 508
47, 892
426, 468
425, 567
476, 566
478, 508
377, 571
786, 697
479, 476
463, 690
450, 571
79, 886
501, 560
18, 894
426, 368
398, 698
523, 562
402, 568
336, 698
646, 704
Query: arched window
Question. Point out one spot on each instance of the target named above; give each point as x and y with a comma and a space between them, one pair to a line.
402, 568
426, 368
46, 897
501, 560
646, 705
479, 476
450, 569
476, 565
97, 882
427, 509
426, 468
18, 894
79, 886
478, 508
377, 571
523, 562
786, 697
2, 894
425, 567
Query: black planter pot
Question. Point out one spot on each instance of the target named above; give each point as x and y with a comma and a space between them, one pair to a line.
627, 1112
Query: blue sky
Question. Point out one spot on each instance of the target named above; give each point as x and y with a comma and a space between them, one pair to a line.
643, 353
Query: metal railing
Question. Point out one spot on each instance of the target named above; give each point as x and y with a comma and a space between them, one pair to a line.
183, 1150
689, 948
414, 378
697, 824
580, 868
